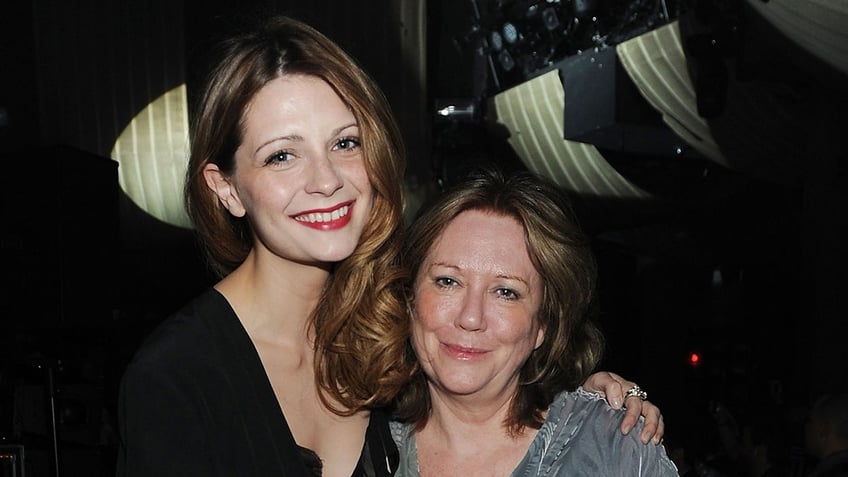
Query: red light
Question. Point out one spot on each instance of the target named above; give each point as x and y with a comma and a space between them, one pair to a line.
694, 359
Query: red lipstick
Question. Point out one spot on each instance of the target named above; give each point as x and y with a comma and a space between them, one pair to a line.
331, 218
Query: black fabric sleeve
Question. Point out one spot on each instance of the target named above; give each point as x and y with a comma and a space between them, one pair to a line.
161, 427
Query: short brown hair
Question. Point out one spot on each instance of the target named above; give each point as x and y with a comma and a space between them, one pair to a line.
561, 253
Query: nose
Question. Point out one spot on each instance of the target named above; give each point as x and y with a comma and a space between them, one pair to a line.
324, 178
471, 315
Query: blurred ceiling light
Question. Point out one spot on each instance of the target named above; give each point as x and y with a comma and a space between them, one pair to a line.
456, 109
818, 26
550, 19
495, 40
506, 61
533, 114
757, 133
152, 153
510, 33
657, 65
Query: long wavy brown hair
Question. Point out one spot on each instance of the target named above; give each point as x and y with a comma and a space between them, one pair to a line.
360, 323
561, 253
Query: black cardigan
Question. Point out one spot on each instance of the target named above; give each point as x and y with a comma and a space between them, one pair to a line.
195, 400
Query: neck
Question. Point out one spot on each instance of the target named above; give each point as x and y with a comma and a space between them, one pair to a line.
274, 298
469, 439
464, 417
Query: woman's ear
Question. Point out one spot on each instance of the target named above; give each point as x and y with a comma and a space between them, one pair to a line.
410, 305
540, 337
220, 184
410, 309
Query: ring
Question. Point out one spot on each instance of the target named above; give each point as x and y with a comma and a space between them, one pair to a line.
636, 391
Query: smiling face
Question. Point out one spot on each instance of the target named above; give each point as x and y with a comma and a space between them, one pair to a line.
300, 174
477, 295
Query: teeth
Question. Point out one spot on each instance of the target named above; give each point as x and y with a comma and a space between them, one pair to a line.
324, 216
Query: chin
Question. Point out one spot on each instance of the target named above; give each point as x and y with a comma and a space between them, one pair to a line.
461, 388
336, 254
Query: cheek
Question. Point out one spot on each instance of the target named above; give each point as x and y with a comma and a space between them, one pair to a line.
421, 343
263, 191
517, 329
358, 175
427, 317
367, 196
415, 336
419, 325
433, 310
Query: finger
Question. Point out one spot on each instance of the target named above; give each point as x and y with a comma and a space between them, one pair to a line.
653, 424
609, 386
598, 382
631, 416
658, 437
615, 391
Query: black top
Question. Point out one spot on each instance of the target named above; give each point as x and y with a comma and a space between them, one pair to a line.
195, 400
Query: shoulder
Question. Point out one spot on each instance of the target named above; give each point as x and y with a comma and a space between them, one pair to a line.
575, 408
191, 364
186, 340
582, 431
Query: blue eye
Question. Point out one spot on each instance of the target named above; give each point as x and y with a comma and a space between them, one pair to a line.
278, 157
508, 293
348, 143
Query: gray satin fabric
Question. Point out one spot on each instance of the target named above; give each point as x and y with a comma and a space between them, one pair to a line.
580, 437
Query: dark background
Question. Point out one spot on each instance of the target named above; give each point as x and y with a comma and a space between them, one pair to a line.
87, 274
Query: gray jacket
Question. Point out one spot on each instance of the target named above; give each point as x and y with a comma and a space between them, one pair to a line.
580, 437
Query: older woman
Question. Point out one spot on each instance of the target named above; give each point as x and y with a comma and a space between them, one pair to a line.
501, 296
